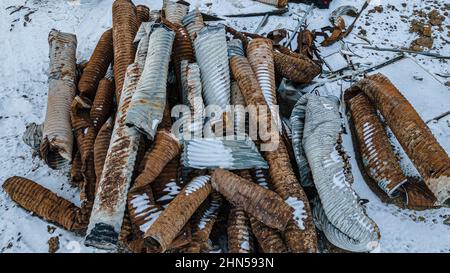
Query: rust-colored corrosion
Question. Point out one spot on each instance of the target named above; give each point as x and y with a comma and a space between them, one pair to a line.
102, 106
97, 66
299, 70
168, 184
111, 196
305, 42
253, 95
143, 209
124, 29
240, 237
85, 136
202, 223
418, 196
76, 176
299, 238
269, 239
376, 152
142, 14
166, 148
101, 146
172, 220
44, 203
277, 3
263, 204
420, 145
182, 50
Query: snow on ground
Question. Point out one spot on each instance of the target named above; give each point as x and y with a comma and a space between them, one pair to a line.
23, 76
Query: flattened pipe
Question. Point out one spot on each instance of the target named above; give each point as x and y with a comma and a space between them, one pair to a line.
44, 203
148, 102
57, 144
420, 145
374, 146
331, 172
97, 66
172, 220
212, 57
263, 204
110, 200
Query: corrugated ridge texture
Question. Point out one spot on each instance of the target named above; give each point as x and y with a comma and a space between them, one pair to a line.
298, 70
420, 145
97, 66
331, 174
212, 58
299, 238
240, 237
124, 29
374, 146
103, 104
165, 148
263, 204
44, 203
148, 102
172, 220
110, 200
56, 147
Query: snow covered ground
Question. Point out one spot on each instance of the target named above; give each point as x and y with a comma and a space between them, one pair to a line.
23, 97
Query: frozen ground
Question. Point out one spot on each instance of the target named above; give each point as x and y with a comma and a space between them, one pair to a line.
23, 76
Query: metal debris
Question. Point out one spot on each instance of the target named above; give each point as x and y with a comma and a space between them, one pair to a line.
57, 143
332, 177
232, 154
420, 145
265, 205
147, 105
110, 199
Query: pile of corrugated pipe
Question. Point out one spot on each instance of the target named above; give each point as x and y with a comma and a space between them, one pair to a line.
146, 187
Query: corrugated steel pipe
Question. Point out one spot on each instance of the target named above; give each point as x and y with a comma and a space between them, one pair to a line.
111, 196
212, 58
239, 232
97, 66
44, 203
331, 172
172, 220
299, 70
193, 22
420, 145
125, 26
57, 143
377, 155
265, 205
174, 11
147, 105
